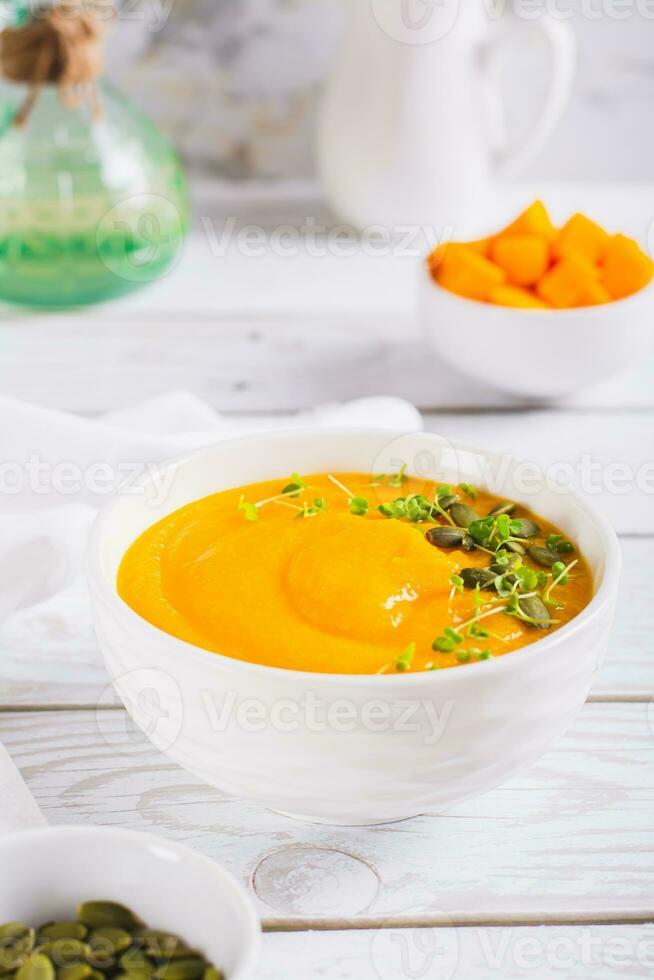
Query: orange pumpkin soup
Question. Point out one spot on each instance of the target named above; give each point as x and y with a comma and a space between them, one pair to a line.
353, 574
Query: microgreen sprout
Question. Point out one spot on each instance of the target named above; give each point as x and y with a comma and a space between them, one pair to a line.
457, 582
397, 479
557, 543
405, 659
319, 506
448, 640
390, 479
560, 576
295, 486
290, 491
468, 490
249, 510
513, 608
359, 506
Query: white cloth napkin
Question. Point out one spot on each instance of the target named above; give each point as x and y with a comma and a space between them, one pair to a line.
56, 469
18, 808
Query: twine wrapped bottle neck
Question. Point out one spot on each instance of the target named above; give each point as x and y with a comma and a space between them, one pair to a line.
62, 46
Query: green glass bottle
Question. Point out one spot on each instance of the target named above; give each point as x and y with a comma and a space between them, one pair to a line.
93, 200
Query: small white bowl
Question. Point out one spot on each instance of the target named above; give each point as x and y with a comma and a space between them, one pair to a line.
48, 871
346, 749
536, 354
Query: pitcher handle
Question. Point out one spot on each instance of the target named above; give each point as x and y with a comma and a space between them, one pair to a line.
18, 808
511, 156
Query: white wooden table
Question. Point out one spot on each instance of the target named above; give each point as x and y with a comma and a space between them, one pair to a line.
552, 874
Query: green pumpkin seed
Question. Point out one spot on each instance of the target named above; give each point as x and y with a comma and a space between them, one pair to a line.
506, 507
446, 502
11, 931
542, 556
482, 577
135, 960
463, 515
177, 953
134, 975
75, 971
62, 930
36, 967
445, 537
99, 914
16, 944
536, 610
163, 945
515, 547
64, 951
182, 969
508, 567
110, 937
522, 527
211, 973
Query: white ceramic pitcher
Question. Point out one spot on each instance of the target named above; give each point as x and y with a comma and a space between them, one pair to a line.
411, 126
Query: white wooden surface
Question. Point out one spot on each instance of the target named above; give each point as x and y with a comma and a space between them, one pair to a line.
549, 875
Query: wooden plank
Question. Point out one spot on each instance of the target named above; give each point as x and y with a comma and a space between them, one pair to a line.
252, 362
54, 659
572, 839
471, 953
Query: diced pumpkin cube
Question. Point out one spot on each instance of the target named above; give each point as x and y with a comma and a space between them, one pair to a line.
524, 258
534, 221
565, 284
515, 296
467, 273
594, 294
626, 268
582, 236
481, 245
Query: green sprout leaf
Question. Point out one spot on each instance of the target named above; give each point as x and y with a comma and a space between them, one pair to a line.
557, 543
359, 506
295, 486
249, 510
448, 640
319, 506
468, 490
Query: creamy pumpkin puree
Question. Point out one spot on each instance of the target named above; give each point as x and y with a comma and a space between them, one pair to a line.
327, 588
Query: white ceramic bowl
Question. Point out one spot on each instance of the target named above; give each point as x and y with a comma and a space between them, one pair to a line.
536, 354
48, 871
336, 748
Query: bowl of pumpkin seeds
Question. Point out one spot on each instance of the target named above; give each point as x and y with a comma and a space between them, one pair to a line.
91, 903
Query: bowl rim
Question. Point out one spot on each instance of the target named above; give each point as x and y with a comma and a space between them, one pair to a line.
564, 313
235, 891
99, 583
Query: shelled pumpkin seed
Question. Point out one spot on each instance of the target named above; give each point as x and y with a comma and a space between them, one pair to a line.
463, 515
106, 941
542, 556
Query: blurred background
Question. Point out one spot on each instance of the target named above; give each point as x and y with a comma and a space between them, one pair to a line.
236, 83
